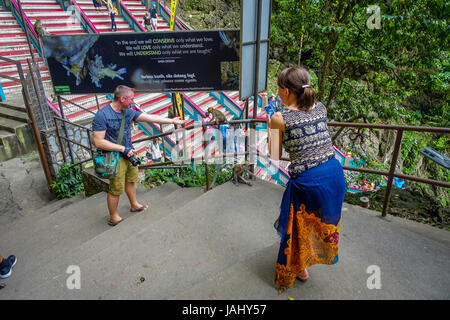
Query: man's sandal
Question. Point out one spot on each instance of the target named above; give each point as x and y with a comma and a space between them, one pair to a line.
113, 224
142, 208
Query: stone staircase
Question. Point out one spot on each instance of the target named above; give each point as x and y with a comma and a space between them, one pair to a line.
183, 230
13, 45
138, 10
101, 19
191, 245
53, 17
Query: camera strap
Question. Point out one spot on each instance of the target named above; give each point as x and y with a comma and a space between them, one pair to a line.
122, 125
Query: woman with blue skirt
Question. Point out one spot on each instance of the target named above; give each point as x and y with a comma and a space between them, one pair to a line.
310, 212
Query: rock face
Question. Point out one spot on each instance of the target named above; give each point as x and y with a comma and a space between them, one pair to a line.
406, 203
419, 202
203, 14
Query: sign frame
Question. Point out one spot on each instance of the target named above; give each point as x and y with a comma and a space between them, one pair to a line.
255, 44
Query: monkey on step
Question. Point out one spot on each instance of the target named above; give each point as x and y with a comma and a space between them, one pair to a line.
238, 171
217, 115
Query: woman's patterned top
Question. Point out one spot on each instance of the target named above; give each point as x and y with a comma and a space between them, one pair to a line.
306, 138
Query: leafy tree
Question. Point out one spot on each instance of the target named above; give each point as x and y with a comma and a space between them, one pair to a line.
397, 73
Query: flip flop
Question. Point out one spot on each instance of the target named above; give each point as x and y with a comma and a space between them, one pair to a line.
143, 208
303, 279
113, 224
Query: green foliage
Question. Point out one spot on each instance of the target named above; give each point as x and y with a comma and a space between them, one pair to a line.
367, 69
187, 177
68, 183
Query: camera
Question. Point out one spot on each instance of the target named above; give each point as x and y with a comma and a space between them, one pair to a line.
135, 162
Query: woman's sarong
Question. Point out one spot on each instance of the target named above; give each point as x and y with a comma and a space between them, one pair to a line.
309, 221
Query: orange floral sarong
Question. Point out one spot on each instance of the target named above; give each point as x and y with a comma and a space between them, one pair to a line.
309, 225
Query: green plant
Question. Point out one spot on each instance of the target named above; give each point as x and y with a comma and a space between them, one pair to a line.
69, 182
187, 177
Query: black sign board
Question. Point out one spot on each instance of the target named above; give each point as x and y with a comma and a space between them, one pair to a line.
148, 62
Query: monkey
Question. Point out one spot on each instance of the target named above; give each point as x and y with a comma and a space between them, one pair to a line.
217, 115
238, 171
40, 29
171, 112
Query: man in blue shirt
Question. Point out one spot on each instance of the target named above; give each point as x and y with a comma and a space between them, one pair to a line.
106, 127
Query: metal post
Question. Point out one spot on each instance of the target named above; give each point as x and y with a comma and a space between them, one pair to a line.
255, 83
90, 144
63, 151
65, 129
246, 107
96, 100
207, 176
258, 45
206, 156
163, 143
26, 31
36, 89
36, 133
398, 141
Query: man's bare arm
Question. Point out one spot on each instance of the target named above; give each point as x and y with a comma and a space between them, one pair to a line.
145, 117
101, 143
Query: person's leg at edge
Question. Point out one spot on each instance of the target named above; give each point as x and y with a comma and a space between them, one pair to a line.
116, 188
113, 204
130, 190
131, 178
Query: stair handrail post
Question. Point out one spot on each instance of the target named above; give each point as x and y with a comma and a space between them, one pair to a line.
398, 141
96, 101
65, 129
35, 85
35, 129
126, 14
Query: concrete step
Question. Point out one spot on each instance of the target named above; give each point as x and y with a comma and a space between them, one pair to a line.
56, 233
11, 125
20, 108
206, 235
100, 234
13, 113
31, 218
14, 120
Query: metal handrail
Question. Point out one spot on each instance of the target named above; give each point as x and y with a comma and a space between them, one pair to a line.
77, 105
130, 18
398, 139
60, 138
19, 70
27, 26
85, 22
390, 174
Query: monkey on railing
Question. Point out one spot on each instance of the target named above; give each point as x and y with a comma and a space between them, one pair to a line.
217, 115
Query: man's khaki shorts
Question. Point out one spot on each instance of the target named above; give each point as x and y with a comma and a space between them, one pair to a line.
125, 173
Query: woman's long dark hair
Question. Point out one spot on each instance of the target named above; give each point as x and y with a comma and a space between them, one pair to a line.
297, 80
